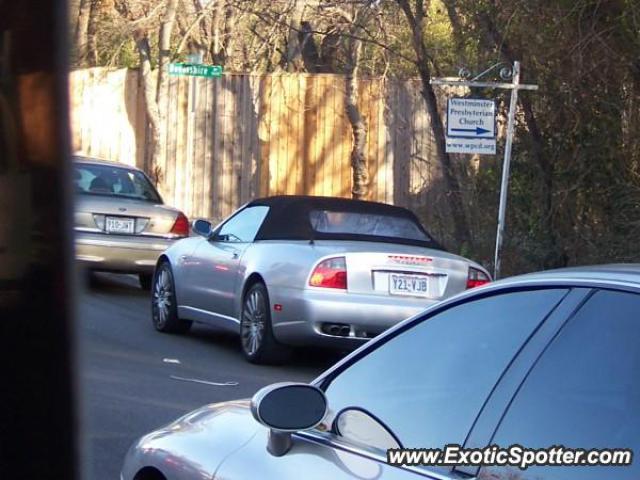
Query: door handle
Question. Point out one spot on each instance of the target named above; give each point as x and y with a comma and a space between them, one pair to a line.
235, 255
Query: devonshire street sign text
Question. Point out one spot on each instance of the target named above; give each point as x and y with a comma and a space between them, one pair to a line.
195, 70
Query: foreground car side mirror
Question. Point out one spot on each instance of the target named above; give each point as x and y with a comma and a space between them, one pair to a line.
285, 408
202, 227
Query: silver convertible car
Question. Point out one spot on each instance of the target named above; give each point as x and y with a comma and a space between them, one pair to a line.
538, 361
297, 270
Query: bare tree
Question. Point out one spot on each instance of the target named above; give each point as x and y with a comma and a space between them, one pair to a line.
293, 60
415, 13
139, 14
359, 163
92, 30
81, 30
352, 38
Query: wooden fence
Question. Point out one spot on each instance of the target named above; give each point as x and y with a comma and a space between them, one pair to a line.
237, 137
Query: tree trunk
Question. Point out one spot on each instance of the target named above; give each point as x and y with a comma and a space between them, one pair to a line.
227, 37
460, 224
309, 49
359, 164
84, 12
215, 47
151, 105
456, 28
157, 105
293, 61
164, 54
221, 32
92, 30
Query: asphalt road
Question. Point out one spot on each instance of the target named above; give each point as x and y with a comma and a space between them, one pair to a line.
126, 368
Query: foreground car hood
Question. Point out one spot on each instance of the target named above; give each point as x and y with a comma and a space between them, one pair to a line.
195, 445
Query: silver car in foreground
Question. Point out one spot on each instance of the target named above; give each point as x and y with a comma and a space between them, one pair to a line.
296, 270
537, 361
121, 222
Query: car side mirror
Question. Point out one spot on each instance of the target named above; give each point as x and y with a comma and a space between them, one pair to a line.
202, 227
285, 408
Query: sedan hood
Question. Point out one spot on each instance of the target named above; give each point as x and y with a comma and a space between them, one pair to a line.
195, 445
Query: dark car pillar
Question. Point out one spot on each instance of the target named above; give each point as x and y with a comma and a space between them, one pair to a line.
37, 435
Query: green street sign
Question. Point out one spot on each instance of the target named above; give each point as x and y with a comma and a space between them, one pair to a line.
195, 70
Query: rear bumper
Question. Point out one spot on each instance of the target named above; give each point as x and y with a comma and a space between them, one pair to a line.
119, 253
306, 314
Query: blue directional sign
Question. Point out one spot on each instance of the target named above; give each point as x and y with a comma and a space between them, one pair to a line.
471, 131
471, 118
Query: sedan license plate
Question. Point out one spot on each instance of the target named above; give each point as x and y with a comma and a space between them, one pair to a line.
415, 285
119, 225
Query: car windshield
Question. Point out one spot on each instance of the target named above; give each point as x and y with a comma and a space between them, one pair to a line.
94, 179
355, 223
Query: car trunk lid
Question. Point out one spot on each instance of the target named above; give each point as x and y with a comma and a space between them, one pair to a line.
402, 271
118, 215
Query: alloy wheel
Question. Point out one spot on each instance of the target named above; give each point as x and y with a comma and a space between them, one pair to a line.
162, 297
253, 322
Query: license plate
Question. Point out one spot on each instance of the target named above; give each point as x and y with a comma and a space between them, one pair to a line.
119, 225
414, 285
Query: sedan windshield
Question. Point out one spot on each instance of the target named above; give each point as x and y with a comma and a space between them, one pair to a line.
355, 223
107, 180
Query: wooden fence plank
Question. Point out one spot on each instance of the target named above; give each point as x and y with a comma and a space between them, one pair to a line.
237, 131
244, 129
280, 137
197, 147
256, 88
264, 134
169, 172
224, 153
207, 135
218, 148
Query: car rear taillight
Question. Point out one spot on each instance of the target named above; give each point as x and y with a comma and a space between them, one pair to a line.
330, 273
181, 225
477, 278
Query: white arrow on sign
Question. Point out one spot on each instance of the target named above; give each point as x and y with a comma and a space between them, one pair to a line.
471, 118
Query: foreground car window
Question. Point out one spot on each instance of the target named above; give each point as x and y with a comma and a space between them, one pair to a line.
355, 223
428, 383
583, 393
113, 181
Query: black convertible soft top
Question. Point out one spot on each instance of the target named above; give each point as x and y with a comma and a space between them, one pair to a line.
289, 218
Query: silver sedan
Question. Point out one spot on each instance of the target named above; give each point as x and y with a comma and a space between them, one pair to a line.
296, 270
121, 223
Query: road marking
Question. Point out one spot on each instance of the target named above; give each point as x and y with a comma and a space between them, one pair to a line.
171, 360
205, 382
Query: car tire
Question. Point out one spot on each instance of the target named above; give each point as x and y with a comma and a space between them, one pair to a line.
164, 307
258, 344
145, 279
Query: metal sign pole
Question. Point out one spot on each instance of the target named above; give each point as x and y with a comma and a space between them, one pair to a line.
504, 186
514, 86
